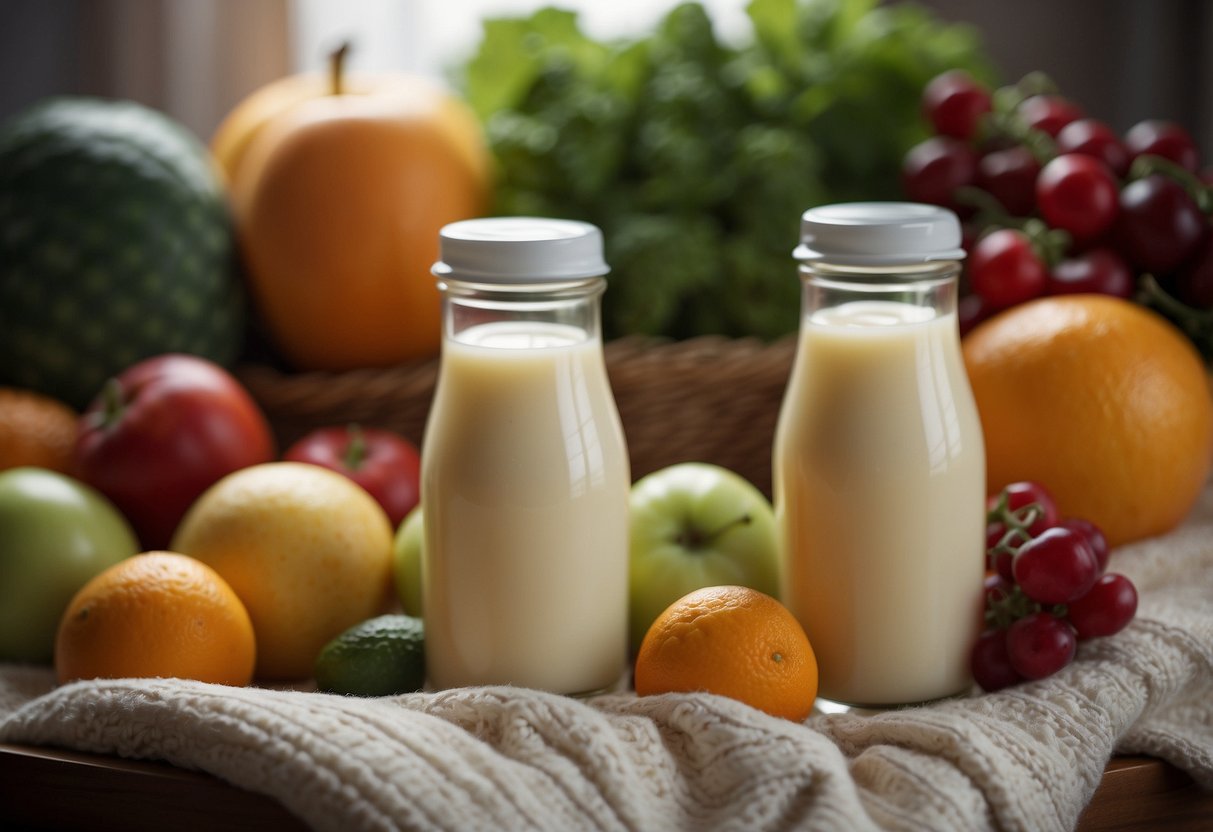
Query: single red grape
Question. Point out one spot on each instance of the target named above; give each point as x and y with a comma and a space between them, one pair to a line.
1022, 494
1009, 175
1040, 644
1056, 567
990, 662
1077, 193
1100, 270
1159, 226
932, 171
1049, 113
1092, 137
1095, 538
954, 103
1167, 139
1005, 270
1106, 609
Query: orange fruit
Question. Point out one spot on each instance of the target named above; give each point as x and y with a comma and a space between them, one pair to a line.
1103, 402
733, 641
156, 614
307, 550
35, 430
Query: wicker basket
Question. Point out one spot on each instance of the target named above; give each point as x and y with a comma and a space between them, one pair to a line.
709, 399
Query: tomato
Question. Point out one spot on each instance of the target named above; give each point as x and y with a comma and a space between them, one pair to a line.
384, 463
56, 533
161, 433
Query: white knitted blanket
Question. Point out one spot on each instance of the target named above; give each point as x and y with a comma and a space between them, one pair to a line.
1028, 758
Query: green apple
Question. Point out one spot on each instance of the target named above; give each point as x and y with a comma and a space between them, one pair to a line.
55, 534
410, 542
694, 525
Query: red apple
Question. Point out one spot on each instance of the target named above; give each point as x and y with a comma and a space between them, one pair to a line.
384, 463
162, 432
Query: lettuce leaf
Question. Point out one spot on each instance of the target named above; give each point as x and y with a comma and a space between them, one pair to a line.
696, 158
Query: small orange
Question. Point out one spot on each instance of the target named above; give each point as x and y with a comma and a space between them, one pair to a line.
156, 614
733, 641
35, 430
1100, 400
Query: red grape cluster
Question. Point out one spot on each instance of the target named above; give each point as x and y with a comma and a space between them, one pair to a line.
1055, 202
1046, 590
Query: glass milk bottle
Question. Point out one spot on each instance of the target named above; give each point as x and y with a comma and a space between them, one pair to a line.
879, 464
525, 473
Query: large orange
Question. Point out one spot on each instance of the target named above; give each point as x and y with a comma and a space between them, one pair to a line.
156, 614
340, 188
733, 641
1103, 402
35, 430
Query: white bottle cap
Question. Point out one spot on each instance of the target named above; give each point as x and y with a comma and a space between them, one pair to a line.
878, 234
520, 250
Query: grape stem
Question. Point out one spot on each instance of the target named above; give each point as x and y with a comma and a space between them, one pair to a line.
1016, 522
1149, 165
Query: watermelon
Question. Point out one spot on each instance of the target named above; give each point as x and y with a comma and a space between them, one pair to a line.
116, 244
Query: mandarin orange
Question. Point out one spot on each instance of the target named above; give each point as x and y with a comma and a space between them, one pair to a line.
733, 641
156, 614
35, 430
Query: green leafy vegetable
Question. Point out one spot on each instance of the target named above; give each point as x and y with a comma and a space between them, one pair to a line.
697, 158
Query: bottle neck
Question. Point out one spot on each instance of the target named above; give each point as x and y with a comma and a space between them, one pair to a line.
928, 286
572, 307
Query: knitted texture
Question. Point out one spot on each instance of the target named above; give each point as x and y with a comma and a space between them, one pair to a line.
1027, 758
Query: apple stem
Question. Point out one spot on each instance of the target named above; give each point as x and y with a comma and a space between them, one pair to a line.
355, 452
694, 540
113, 404
337, 68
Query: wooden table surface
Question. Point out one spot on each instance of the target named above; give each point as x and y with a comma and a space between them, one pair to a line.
43, 788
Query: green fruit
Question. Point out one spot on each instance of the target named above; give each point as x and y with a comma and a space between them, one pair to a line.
55, 535
115, 245
406, 561
695, 525
379, 657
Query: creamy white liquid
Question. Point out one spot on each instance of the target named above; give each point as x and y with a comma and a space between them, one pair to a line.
879, 485
525, 489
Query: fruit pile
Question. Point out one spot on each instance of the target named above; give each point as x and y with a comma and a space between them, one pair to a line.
1055, 202
1046, 589
174, 458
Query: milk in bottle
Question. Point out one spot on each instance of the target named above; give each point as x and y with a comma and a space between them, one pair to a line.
525, 473
879, 465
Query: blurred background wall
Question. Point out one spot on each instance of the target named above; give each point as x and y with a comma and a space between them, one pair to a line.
1123, 60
